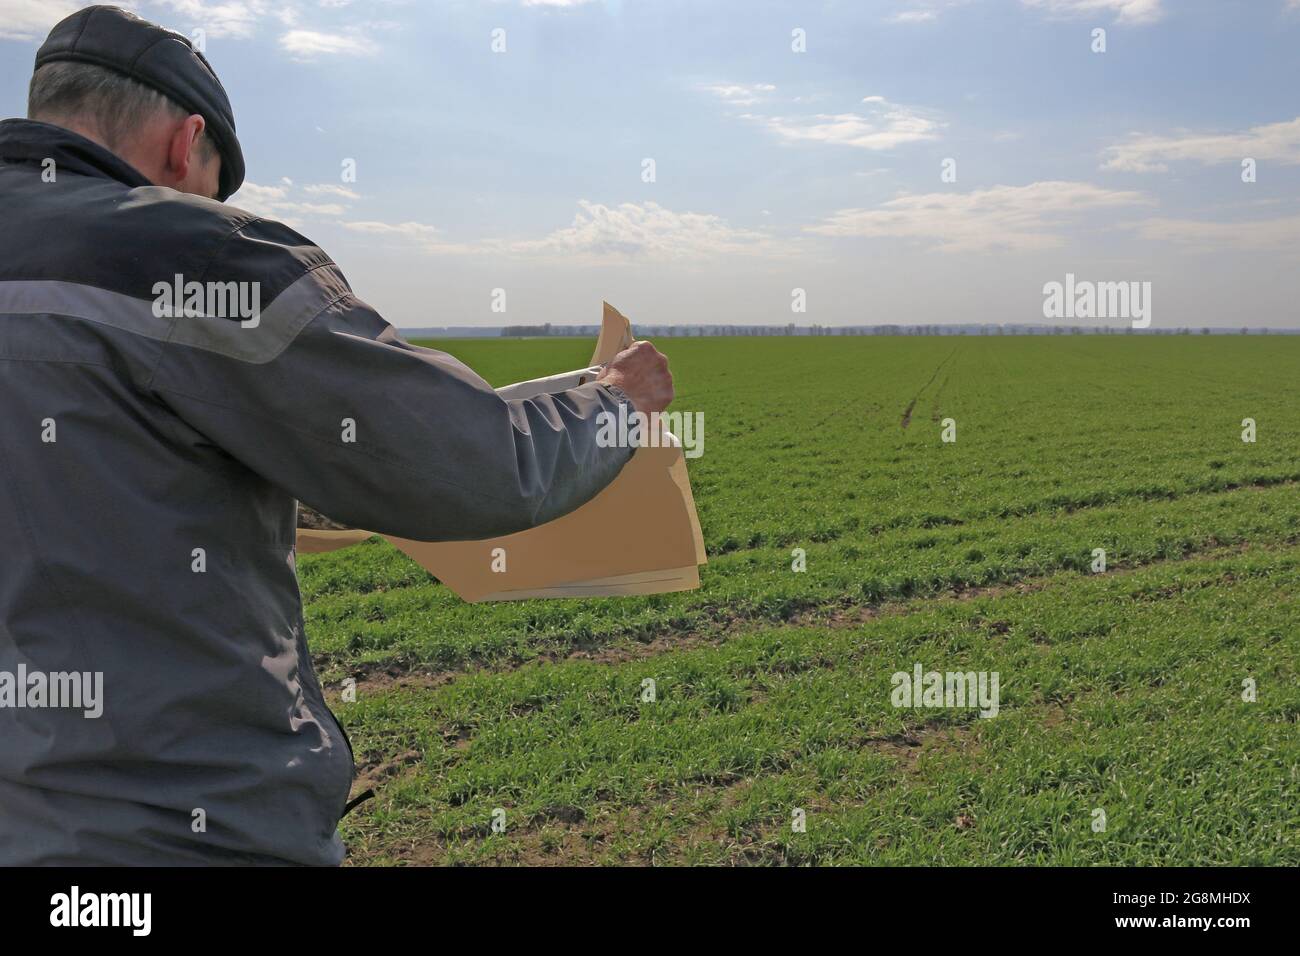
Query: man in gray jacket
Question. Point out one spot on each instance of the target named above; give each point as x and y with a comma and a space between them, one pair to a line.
174, 374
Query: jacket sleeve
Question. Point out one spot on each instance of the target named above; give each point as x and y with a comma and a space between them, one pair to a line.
321, 396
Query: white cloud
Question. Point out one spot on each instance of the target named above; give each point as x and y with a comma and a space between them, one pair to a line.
740, 94
880, 126
406, 230
1274, 235
245, 19
237, 19
1125, 11
279, 202
600, 233
1015, 218
252, 191
329, 189
924, 11
647, 231
1274, 142
309, 44
31, 19
422, 238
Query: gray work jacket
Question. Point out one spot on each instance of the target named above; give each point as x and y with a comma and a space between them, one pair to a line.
150, 464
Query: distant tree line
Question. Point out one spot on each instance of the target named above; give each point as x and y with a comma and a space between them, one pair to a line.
695, 331
530, 331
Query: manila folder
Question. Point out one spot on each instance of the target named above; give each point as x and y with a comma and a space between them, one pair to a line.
639, 535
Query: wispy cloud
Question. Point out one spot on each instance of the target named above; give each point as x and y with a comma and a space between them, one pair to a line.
1141, 153
282, 202
1124, 11
648, 231
1003, 218
329, 189
310, 44
246, 19
740, 94
599, 233
233, 19
923, 11
31, 19
1272, 235
914, 16
405, 230
879, 125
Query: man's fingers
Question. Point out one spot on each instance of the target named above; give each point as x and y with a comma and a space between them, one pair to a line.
641, 371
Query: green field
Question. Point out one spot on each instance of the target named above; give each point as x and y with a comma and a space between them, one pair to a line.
1121, 692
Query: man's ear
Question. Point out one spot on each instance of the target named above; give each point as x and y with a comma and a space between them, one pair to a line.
180, 151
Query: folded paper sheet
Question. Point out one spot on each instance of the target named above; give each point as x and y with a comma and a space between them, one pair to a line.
640, 535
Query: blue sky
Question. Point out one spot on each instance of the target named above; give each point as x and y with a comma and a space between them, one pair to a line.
524, 170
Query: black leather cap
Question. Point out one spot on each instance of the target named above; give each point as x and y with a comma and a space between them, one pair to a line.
166, 61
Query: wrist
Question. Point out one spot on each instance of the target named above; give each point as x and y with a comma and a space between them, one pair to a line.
616, 392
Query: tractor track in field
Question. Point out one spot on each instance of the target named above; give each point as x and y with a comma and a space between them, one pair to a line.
938, 396
907, 412
396, 674
571, 835
713, 624
377, 770
563, 834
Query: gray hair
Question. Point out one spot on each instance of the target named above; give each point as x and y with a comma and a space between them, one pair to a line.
112, 102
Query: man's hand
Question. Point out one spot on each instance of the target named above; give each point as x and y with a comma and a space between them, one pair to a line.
642, 373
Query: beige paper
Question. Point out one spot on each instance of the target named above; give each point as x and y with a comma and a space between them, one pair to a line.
640, 535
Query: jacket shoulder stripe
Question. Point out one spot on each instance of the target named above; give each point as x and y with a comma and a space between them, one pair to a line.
253, 336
